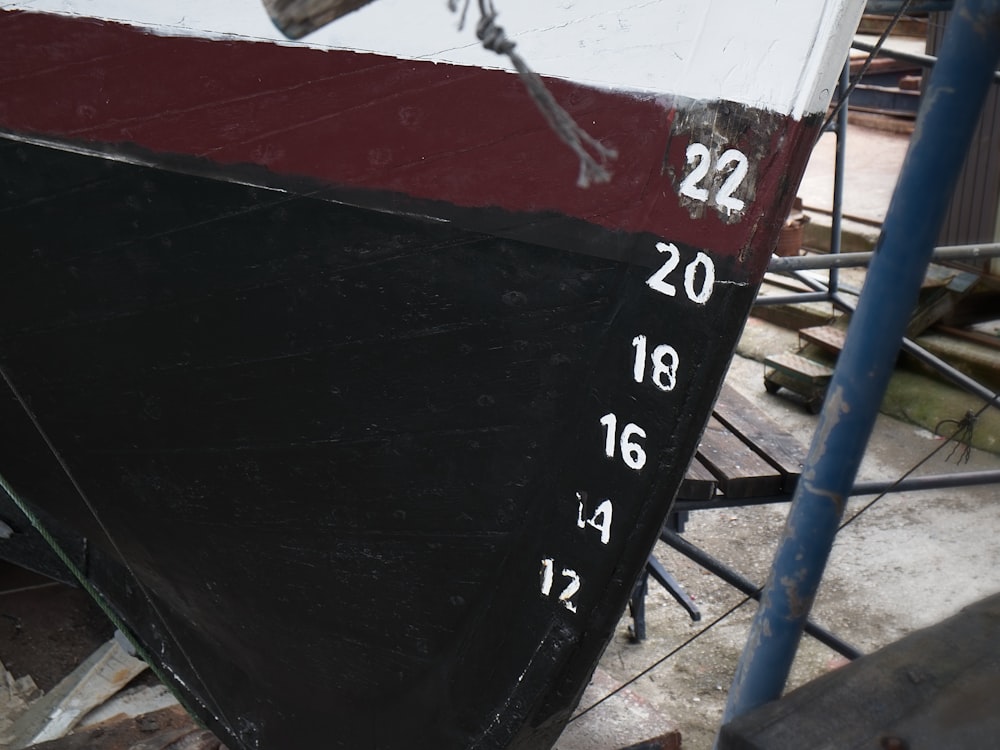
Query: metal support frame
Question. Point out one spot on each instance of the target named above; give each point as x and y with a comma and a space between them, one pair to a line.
859, 489
832, 292
949, 111
840, 166
924, 61
956, 376
746, 586
848, 260
671, 536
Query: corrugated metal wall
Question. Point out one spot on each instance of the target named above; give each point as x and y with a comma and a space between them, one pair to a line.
974, 214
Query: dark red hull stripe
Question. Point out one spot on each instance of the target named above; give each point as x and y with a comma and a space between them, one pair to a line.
460, 136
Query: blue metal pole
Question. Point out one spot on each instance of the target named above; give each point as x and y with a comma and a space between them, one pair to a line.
951, 104
840, 164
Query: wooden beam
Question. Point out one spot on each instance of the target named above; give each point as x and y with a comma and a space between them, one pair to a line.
738, 469
936, 688
764, 436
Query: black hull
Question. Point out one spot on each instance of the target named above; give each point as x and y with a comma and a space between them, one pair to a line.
334, 448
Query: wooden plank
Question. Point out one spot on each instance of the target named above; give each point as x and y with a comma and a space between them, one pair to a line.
16, 695
947, 287
167, 729
933, 306
764, 436
102, 675
144, 699
799, 367
975, 337
829, 338
936, 688
739, 470
698, 483
800, 375
955, 279
296, 18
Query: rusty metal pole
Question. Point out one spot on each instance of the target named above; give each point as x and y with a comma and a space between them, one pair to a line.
948, 116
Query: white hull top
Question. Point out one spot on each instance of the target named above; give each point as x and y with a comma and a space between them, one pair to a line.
778, 55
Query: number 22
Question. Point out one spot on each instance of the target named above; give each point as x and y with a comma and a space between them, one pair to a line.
699, 158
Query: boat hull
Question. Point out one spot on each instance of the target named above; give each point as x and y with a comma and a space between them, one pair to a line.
375, 428
358, 417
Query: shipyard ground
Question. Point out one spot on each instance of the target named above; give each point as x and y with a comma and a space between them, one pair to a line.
912, 559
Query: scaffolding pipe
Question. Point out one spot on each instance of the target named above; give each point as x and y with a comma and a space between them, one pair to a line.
872, 487
792, 299
924, 61
927, 482
748, 587
840, 166
949, 112
849, 260
957, 377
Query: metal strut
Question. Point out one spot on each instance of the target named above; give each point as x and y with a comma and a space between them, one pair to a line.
947, 119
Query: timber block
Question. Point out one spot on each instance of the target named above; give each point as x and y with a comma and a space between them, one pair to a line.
698, 484
936, 688
740, 471
765, 437
829, 338
167, 729
797, 374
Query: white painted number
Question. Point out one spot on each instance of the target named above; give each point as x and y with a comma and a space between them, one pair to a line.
697, 287
702, 294
658, 281
639, 364
601, 520
632, 453
569, 590
664, 360
724, 198
699, 158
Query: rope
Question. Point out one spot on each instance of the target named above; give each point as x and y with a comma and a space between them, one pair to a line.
964, 427
591, 153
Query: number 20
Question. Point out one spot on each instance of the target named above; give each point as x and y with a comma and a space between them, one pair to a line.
697, 293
